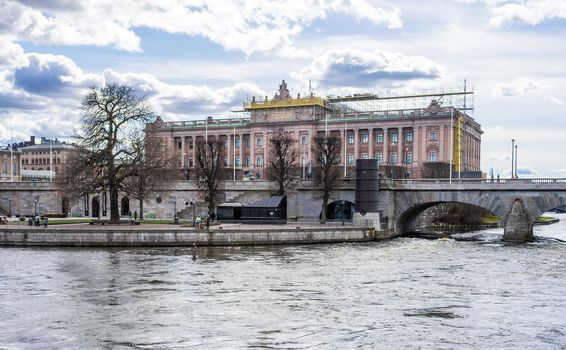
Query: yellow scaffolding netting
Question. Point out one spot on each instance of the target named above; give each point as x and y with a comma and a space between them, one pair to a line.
459, 120
298, 102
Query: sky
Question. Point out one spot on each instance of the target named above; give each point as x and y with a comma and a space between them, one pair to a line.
198, 58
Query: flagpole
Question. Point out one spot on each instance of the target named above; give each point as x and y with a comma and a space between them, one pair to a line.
51, 159
11, 156
234, 155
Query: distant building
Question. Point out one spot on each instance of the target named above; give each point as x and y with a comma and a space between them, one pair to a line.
405, 137
10, 165
45, 161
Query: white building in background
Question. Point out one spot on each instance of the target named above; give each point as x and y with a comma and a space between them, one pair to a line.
45, 161
9, 165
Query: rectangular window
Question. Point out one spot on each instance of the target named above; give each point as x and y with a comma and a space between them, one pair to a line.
237, 143
259, 142
351, 138
225, 161
409, 158
365, 137
433, 135
350, 159
191, 144
259, 161
237, 161
409, 136
191, 164
248, 161
247, 143
379, 158
432, 156
226, 143
180, 145
379, 138
304, 140
5, 168
393, 158
394, 138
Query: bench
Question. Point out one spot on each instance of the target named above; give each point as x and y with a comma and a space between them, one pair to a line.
121, 222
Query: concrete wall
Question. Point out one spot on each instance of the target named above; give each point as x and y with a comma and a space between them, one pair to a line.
176, 237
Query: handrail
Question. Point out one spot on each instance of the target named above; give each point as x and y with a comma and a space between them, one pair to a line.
529, 181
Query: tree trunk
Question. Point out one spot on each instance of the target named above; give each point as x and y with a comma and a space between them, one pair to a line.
114, 208
141, 209
325, 196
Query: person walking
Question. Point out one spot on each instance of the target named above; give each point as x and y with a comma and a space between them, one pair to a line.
45, 220
130, 217
36, 219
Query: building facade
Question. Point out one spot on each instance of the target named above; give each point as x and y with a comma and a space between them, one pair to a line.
10, 165
45, 161
398, 137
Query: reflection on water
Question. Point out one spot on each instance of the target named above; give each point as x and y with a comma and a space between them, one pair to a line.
403, 293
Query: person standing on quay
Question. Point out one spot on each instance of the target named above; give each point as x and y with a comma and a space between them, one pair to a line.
45, 220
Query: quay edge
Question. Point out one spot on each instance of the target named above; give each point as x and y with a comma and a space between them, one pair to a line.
179, 237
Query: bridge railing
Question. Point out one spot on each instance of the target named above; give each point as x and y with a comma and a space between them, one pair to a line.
476, 181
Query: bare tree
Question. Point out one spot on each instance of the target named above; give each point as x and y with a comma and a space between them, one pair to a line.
326, 152
436, 170
153, 169
282, 161
393, 171
111, 122
210, 171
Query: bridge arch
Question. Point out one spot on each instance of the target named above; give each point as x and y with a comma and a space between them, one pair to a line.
411, 204
409, 216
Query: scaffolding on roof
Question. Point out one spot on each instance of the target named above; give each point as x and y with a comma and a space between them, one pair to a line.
461, 99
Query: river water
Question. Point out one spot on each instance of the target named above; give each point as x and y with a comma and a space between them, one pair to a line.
406, 293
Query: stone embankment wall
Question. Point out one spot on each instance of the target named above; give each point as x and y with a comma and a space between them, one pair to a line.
304, 198
133, 238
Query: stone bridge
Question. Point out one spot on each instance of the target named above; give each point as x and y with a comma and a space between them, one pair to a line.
518, 202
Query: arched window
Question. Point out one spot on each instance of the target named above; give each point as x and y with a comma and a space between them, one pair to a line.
125, 206
259, 161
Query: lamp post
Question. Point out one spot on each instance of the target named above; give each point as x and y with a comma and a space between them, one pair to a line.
193, 204
516, 146
512, 157
35, 200
175, 219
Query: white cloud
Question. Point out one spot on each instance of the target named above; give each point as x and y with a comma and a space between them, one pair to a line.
48, 74
187, 101
518, 87
530, 12
524, 86
247, 26
11, 54
358, 68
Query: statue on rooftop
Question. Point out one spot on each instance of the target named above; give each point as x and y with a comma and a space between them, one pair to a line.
283, 92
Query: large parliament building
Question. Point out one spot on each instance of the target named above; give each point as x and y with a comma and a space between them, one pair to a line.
400, 136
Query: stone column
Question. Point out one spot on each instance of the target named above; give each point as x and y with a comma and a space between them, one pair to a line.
356, 144
400, 150
266, 149
345, 147
230, 154
182, 151
371, 144
416, 138
385, 146
252, 150
241, 136
423, 136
